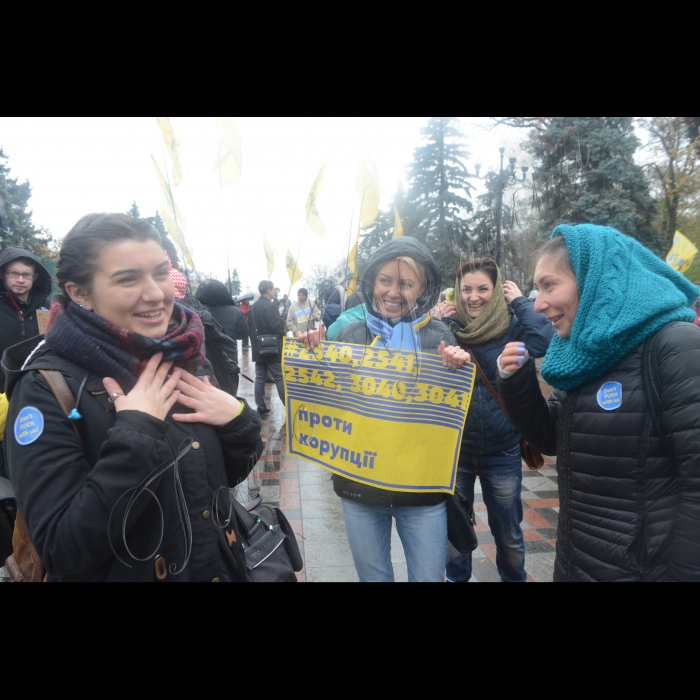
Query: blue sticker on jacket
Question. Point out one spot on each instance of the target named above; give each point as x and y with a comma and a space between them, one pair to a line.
29, 426
610, 396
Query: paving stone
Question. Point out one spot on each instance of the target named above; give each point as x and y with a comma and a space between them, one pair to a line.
541, 567
327, 554
316, 477
346, 574
551, 516
317, 492
331, 509
324, 530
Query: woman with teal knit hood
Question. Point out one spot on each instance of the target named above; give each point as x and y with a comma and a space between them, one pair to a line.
624, 422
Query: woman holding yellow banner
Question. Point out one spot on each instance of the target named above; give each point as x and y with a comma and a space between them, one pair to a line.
402, 285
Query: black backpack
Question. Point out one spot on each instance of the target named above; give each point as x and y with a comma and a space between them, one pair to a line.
222, 351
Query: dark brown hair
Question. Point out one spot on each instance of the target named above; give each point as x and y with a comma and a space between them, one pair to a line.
82, 246
558, 251
485, 265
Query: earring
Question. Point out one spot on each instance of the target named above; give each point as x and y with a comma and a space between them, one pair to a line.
81, 306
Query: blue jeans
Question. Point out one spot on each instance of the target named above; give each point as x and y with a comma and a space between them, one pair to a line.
501, 479
423, 532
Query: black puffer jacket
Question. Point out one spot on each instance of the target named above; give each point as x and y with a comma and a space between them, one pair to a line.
67, 490
431, 336
14, 328
629, 510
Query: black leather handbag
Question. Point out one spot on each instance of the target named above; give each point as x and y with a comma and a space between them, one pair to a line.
271, 551
8, 515
461, 521
269, 346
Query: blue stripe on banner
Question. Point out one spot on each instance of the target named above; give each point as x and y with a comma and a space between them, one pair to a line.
370, 402
425, 416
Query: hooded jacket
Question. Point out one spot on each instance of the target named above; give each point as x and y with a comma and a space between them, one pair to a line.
430, 337
72, 493
13, 328
218, 300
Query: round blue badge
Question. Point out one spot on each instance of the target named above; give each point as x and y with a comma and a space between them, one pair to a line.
610, 396
29, 426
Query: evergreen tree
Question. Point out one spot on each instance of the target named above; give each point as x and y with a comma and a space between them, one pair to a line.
587, 174
438, 201
236, 286
135, 212
16, 227
159, 225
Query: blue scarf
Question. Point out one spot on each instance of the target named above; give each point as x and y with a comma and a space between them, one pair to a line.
402, 336
627, 295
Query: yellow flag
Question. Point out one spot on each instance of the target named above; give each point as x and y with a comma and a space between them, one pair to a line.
353, 265
682, 254
368, 189
230, 161
398, 226
295, 274
269, 256
313, 218
174, 220
174, 147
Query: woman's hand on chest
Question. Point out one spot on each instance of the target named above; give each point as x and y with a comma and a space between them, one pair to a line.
154, 394
211, 406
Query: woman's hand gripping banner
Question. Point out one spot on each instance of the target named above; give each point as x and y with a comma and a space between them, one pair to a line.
389, 419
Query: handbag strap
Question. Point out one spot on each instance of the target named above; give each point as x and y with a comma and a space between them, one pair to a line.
485, 381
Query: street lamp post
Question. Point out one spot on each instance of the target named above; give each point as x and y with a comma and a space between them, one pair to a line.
516, 158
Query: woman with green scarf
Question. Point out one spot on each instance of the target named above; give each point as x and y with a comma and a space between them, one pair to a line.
487, 315
625, 420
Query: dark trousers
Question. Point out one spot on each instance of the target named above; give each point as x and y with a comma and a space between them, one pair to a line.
3, 474
261, 370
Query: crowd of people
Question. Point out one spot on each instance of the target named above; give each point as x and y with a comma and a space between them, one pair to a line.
130, 483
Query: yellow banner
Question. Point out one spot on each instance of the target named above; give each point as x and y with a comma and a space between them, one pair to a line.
388, 419
269, 256
229, 163
682, 254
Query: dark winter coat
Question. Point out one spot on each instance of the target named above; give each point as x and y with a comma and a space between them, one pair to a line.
333, 305
630, 510
66, 490
431, 337
218, 300
13, 328
488, 432
265, 319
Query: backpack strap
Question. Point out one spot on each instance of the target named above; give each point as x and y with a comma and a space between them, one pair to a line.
63, 395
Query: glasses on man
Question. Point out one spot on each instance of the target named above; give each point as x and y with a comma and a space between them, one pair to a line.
22, 275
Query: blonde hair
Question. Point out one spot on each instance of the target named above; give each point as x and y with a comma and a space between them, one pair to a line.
417, 267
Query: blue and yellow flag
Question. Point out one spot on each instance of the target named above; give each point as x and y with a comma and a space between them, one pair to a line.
295, 274
682, 254
269, 256
368, 189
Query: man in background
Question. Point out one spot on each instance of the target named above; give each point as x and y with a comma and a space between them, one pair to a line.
265, 321
303, 315
25, 285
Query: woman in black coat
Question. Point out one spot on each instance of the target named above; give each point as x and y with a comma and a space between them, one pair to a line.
134, 485
486, 316
626, 354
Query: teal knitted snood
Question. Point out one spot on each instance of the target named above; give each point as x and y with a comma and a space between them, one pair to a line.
627, 295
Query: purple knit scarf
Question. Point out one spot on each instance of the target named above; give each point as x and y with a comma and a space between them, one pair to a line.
94, 343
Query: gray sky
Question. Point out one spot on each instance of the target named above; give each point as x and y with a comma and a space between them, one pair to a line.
79, 165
